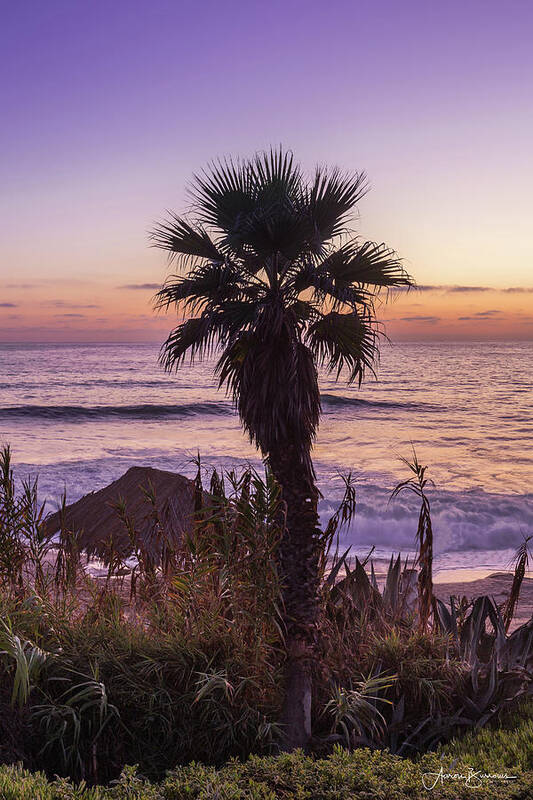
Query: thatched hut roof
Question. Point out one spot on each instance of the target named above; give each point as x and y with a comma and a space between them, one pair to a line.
98, 522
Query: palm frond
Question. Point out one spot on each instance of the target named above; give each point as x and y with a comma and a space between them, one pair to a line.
256, 204
196, 338
223, 194
344, 341
303, 312
276, 174
212, 283
331, 198
179, 238
366, 264
302, 277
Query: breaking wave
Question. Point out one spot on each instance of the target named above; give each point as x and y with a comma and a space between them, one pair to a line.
469, 520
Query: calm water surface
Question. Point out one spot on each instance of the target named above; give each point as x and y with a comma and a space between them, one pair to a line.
80, 415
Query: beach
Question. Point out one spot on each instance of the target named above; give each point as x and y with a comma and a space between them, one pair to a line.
497, 585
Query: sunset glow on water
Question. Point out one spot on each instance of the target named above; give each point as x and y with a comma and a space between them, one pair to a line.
81, 415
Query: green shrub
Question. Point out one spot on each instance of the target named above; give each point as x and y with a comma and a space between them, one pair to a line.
509, 743
361, 775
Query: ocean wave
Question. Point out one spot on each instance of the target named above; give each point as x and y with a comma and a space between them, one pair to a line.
113, 383
461, 520
158, 410
83, 413
340, 400
464, 520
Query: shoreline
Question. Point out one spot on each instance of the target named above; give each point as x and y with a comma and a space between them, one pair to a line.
474, 582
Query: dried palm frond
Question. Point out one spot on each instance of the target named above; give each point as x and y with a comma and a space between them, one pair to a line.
521, 565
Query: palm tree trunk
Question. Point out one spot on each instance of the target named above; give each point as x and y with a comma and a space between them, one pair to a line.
299, 559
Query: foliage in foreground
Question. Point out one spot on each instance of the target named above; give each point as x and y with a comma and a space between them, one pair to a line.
180, 664
186, 661
372, 775
507, 744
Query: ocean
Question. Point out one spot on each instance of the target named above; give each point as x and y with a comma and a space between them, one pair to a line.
79, 415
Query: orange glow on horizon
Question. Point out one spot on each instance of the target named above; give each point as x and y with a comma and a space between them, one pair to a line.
99, 311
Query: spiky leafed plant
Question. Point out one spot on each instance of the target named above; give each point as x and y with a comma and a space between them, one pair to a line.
270, 278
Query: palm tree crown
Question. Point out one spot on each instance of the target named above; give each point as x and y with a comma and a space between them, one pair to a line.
270, 277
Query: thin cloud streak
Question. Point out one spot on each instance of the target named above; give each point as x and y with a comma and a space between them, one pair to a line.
66, 304
469, 289
431, 320
140, 286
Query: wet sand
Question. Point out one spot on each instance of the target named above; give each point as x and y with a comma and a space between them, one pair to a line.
472, 583
497, 585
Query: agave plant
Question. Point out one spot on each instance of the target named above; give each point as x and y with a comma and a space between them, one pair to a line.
488, 669
362, 592
501, 665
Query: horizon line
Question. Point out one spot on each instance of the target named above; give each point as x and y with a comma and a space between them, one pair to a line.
388, 343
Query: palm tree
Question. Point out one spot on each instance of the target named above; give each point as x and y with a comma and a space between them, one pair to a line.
270, 279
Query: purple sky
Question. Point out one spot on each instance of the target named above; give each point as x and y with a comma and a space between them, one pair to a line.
109, 106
